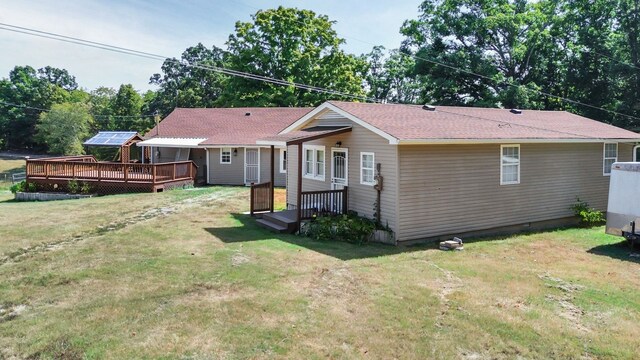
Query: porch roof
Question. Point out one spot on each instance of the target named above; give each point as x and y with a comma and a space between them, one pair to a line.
173, 142
300, 136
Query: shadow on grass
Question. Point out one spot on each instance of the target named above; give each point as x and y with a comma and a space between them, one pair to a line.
621, 251
250, 231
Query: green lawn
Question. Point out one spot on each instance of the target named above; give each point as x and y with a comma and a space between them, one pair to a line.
8, 167
184, 274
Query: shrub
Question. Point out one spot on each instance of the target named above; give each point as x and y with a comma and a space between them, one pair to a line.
23, 186
349, 228
588, 216
18, 187
85, 187
73, 186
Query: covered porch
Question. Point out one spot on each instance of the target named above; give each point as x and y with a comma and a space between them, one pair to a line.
309, 203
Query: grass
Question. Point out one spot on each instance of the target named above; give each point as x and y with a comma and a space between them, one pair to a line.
8, 167
184, 274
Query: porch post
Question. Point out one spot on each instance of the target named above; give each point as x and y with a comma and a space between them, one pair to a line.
271, 187
299, 194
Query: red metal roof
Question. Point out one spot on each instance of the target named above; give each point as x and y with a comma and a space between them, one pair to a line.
226, 126
412, 122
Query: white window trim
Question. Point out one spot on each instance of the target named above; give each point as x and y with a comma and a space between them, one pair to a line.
604, 157
314, 162
373, 169
230, 155
502, 166
283, 170
635, 151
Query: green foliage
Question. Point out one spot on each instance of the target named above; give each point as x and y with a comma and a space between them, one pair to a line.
588, 216
73, 186
349, 228
85, 188
23, 186
64, 128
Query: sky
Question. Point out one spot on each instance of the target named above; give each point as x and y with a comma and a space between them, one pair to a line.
168, 27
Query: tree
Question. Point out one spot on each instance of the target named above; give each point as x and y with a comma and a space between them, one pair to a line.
64, 128
22, 96
188, 82
100, 101
292, 45
503, 41
390, 77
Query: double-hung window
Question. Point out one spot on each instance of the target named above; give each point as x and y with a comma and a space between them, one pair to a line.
283, 161
367, 161
610, 156
313, 162
225, 156
509, 164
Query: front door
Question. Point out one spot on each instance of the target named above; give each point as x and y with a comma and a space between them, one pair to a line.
339, 168
251, 165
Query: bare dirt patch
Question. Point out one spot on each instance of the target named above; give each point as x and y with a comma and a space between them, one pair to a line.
566, 309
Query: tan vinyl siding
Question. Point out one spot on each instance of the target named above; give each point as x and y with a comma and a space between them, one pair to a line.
449, 189
265, 166
361, 197
233, 174
226, 174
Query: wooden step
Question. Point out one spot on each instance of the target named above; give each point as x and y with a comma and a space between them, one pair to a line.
272, 226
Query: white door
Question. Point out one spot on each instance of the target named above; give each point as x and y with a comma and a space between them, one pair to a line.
339, 168
251, 165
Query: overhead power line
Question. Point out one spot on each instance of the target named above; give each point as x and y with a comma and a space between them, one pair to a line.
95, 116
246, 75
502, 82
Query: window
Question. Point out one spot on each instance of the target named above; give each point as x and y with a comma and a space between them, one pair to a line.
225, 156
283, 161
367, 162
313, 162
636, 153
610, 156
509, 164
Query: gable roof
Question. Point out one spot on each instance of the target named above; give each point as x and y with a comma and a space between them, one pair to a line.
446, 124
225, 126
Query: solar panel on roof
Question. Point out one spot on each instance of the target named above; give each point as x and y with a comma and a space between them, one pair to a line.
111, 138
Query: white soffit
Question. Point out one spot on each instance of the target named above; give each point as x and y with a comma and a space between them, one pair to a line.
172, 142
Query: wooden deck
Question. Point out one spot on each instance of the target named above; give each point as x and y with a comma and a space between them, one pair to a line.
54, 174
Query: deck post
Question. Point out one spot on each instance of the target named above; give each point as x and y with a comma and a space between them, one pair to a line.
271, 188
125, 171
46, 170
345, 200
174, 172
251, 199
154, 174
299, 194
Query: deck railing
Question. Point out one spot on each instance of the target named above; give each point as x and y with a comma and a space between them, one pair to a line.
327, 202
87, 169
261, 197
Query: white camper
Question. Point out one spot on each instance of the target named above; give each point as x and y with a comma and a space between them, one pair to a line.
623, 211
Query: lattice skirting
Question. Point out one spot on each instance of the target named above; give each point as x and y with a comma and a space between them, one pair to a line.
108, 188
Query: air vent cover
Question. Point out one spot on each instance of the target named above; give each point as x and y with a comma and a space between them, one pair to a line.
428, 107
516, 111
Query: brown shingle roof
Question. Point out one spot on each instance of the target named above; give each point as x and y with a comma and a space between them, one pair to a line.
226, 126
411, 122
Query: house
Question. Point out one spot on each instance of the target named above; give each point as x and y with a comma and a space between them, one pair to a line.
222, 142
445, 171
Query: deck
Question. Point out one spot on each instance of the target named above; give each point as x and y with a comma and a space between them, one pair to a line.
54, 174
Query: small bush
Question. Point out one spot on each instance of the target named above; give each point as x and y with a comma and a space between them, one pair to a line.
18, 187
23, 186
588, 216
85, 188
349, 228
73, 186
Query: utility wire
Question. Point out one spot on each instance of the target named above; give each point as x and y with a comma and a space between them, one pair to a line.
226, 71
103, 46
469, 72
95, 116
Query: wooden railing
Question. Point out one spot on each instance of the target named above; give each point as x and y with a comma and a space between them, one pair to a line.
86, 168
327, 202
261, 198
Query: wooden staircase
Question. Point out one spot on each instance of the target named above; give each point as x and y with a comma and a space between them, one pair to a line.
281, 221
